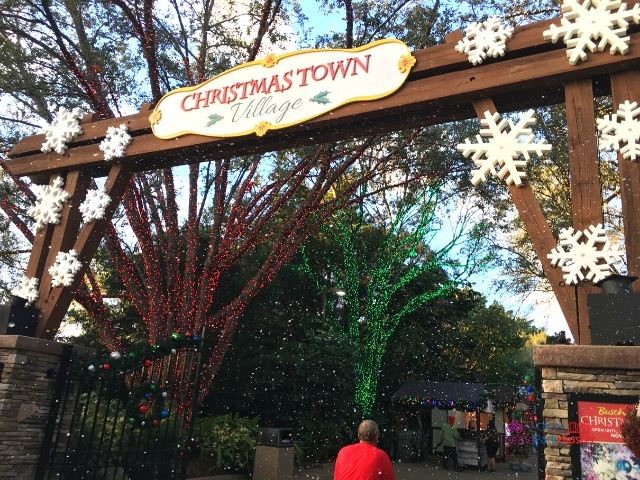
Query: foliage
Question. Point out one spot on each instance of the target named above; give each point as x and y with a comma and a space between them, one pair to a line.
226, 442
631, 431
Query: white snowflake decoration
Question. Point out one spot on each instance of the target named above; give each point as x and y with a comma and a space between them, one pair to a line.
486, 39
584, 255
64, 128
49, 202
503, 149
582, 24
28, 289
621, 127
64, 268
94, 205
116, 142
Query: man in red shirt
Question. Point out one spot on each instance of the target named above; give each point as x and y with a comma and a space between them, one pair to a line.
363, 460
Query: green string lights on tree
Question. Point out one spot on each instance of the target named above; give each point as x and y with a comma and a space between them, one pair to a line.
376, 268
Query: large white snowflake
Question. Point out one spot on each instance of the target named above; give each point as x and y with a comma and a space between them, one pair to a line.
94, 205
64, 268
64, 128
621, 127
49, 202
486, 39
28, 289
115, 142
582, 24
584, 256
503, 149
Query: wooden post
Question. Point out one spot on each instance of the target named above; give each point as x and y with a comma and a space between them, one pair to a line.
586, 198
85, 244
626, 86
540, 235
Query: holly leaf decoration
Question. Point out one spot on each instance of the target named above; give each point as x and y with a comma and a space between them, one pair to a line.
215, 118
321, 98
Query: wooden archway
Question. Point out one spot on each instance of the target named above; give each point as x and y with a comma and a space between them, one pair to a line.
443, 86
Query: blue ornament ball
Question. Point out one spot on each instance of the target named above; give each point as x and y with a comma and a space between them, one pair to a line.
623, 466
196, 338
164, 413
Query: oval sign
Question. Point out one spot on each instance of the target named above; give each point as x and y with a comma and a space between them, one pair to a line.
279, 91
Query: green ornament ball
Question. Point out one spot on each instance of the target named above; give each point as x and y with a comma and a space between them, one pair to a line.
175, 336
131, 420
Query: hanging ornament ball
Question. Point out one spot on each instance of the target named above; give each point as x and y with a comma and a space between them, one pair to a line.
132, 354
155, 422
175, 336
144, 408
106, 366
164, 413
143, 423
196, 338
91, 368
173, 351
165, 394
531, 397
187, 334
153, 387
148, 363
148, 396
131, 420
115, 355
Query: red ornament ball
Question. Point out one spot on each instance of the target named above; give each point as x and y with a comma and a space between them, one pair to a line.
155, 422
106, 366
148, 363
531, 397
143, 408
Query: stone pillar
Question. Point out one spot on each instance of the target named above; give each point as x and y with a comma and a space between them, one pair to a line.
27, 379
569, 369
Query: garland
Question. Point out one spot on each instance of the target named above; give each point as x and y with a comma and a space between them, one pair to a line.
147, 403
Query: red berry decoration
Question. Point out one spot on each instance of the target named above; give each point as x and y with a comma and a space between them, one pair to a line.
148, 363
143, 408
106, 366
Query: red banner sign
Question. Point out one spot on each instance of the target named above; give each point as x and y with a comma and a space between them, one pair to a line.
600, 422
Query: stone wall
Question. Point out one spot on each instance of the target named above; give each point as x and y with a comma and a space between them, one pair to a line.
570, 369
27, 381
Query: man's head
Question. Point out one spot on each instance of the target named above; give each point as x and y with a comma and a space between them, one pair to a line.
368, 432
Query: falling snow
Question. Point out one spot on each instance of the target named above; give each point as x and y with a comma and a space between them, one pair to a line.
584, 257
64, 269
28, 289
49, 202
621, 128
94, 205
64, 128
500, 154
486, 39
582, 24
116, 142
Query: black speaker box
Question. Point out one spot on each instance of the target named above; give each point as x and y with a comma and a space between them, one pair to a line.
18, 319
614, 319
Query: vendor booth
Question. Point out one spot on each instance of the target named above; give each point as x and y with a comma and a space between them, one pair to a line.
472, 404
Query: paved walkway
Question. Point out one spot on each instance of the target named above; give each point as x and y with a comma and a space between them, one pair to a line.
430, 469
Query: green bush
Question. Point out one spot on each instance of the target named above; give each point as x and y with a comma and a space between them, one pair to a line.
226, 443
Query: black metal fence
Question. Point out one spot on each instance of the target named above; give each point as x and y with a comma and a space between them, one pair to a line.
113, 423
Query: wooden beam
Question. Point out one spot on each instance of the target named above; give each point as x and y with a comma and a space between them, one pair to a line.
434, 99
57, 303
586, 202
540, 235
40, 248
626, 86
430, 61
66, 231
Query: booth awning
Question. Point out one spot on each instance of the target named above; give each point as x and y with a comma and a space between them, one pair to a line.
450, 395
